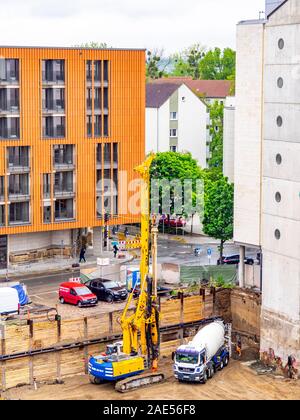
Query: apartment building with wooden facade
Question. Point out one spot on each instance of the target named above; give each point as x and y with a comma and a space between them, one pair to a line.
70, 118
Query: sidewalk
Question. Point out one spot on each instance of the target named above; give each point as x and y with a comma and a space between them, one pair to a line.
191, 240
58, 265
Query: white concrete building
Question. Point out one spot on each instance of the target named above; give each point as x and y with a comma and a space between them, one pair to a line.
228, 138
176, 120
267, 170
177, 116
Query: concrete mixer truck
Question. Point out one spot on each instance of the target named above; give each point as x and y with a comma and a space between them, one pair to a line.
208, 352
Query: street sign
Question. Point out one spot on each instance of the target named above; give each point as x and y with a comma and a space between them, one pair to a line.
209, 252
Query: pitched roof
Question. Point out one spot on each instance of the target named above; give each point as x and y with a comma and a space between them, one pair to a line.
158, 93
206, 88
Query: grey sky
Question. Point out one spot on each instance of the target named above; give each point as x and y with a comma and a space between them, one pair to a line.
171, 24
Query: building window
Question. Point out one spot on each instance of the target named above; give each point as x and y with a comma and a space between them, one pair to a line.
63, 155
53, 71
2, 188
278, 197
278, 159
89, 71
64, 209
9, 70
280, 82
277, 234
53, 100
10, 127
279, 121
46, 186
2, 216
107, 179
281, 44
18, 185
173, 132
89, 125
19, 213
173, 116
98, 125
18, 158
9, 101
173, 148
63, 183
98, 98
54, 127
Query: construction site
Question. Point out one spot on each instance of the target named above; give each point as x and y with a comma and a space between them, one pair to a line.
148, 342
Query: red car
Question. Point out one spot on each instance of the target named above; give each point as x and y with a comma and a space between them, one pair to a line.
76, 294
179, 222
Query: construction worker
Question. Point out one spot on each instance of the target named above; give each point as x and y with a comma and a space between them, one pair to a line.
238, 347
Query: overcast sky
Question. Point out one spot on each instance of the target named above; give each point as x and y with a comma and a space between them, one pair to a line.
172, 24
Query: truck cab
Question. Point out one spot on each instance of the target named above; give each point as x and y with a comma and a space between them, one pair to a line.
191, 365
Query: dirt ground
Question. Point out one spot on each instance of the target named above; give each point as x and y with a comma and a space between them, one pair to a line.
236, 382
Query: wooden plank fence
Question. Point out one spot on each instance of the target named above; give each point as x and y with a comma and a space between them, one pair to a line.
21, 338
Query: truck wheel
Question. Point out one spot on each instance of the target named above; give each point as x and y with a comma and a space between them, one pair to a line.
226, 361
205, 377
211, 372
221, 365
62, 300
79, 304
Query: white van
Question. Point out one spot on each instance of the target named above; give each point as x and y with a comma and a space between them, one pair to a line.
9, 301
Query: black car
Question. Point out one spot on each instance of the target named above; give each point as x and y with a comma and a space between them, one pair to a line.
107, 290
235, 259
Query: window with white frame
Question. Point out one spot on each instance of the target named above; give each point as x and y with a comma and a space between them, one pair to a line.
173, 116
173, 132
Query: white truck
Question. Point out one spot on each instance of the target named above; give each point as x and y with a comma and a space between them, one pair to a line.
208, 352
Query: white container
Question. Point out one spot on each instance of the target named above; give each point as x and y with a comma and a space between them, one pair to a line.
9, 301
211, 338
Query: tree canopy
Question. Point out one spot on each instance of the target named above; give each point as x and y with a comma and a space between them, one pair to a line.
218, 210
216, 131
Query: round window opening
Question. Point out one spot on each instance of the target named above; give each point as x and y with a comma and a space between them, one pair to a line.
278, 197
281, 44
279, 121
280, 82
277, 234
278, 159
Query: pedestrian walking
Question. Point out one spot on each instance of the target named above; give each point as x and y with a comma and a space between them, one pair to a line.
116, 249
82, 255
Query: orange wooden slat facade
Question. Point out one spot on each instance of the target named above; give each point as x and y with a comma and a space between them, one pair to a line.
126, 127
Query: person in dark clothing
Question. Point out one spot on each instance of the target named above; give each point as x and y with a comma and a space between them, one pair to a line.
116, 249
82, 255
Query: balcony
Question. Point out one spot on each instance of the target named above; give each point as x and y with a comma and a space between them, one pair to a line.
64, 192
18, 166
54, 127
50, 108
56, 78
9, 109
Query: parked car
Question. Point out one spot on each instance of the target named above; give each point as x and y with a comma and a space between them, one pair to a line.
235, 259
107, 290
76, 294
178, 222
9, 301
21, 288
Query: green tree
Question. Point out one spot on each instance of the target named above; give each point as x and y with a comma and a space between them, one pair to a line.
216, 132
156, 64
217, 64
173, 166
218, 210
187, 63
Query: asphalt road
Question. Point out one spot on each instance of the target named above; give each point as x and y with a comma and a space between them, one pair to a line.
168, 252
